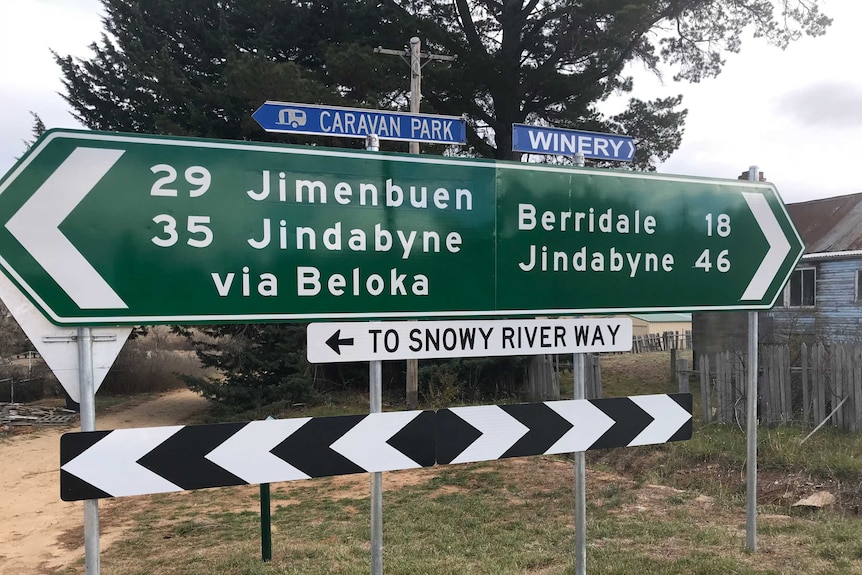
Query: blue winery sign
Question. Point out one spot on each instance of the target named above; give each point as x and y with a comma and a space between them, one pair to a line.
563, 142
290, 118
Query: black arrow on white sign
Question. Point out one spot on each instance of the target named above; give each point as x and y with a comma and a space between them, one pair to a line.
482, 433
545, 427
161, 459
182, 457
335, 342
309, 448
629, 421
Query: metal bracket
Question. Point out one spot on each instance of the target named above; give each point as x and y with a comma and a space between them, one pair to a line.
74, 338
105, 337
59, 338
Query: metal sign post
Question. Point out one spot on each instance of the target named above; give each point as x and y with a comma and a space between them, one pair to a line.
751, 423
580, 460
579, 378
375, 375
375, 398
92, 559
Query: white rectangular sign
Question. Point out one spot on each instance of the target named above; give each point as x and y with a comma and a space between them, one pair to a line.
373, 341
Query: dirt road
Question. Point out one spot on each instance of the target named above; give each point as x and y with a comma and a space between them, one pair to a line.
33, 516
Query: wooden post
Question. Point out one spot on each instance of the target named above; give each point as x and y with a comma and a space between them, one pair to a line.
705, 388
673, 364
722, 374
837, 383
857, 387
775, 380
542, 382
785, 384
740, 387
806, 388
683, 376
597, 375
412, 383
818, 361
771, 387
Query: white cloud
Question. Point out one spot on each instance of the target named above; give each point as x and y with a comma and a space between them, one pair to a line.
29, 77
834, 104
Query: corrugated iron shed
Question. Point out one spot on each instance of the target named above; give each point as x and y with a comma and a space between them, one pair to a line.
830, 224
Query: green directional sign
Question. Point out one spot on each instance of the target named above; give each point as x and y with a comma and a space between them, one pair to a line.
106, 228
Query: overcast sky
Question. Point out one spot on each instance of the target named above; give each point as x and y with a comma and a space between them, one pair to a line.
797, 114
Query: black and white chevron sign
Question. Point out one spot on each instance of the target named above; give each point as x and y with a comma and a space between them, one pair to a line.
162, 459
482, 433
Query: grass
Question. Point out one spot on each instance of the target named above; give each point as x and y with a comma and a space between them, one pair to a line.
670, 509
507, 517
826, 455
344, 404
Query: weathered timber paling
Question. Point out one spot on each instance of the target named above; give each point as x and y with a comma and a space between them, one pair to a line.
807, 392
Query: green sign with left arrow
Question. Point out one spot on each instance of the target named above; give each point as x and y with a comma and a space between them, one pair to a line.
106, 228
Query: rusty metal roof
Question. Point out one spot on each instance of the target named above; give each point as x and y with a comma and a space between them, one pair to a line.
830, 224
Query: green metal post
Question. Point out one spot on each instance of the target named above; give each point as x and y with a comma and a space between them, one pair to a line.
265, 519
265, 523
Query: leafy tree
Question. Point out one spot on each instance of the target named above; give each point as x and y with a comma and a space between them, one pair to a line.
539, 61
201, 67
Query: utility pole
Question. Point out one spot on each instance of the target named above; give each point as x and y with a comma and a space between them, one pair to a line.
413, 57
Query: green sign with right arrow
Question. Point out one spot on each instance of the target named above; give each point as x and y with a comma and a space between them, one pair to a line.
105, 228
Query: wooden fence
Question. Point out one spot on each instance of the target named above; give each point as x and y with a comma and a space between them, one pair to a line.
543, 378
661, 341
592, 376
806, 385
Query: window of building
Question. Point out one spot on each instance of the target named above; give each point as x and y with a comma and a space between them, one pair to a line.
858, 284
800, 291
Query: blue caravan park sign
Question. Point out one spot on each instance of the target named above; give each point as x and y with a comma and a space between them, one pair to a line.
289, 118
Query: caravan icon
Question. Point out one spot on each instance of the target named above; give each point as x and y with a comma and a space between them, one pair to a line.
291, 117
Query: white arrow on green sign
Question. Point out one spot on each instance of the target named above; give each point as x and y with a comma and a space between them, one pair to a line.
104, 228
